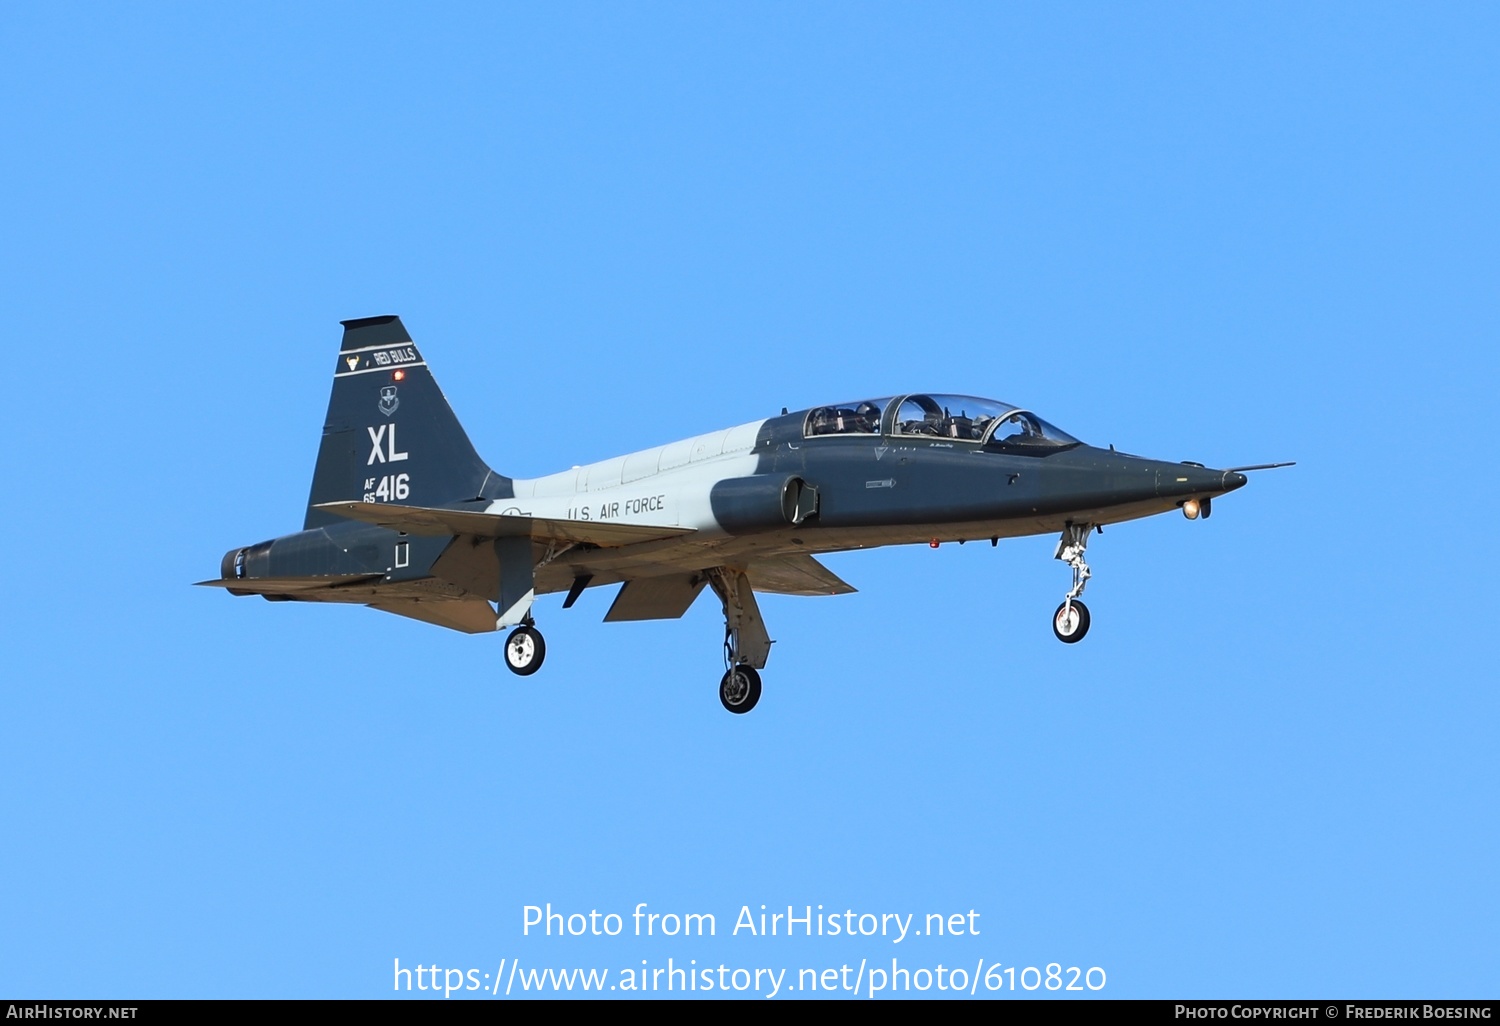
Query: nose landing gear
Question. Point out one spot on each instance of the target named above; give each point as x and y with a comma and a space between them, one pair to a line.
1071, 621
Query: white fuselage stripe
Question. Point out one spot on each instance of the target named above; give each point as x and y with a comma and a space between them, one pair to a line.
371, 349
622, 490
372, 370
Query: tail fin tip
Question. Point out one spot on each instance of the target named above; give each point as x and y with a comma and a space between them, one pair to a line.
386, 330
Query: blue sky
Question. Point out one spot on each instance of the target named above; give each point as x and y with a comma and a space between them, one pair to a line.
1225, 233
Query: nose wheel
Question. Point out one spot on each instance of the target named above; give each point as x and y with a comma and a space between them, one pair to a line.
1071, 621
525, 650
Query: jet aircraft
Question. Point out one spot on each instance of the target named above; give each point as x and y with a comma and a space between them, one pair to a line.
405, 517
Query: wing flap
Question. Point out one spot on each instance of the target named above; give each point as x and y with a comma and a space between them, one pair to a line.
431, 521
656, 598
795, 575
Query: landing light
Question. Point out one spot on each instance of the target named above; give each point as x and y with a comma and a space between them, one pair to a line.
1190, 509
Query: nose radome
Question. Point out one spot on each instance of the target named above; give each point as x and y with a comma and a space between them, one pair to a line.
1191, 479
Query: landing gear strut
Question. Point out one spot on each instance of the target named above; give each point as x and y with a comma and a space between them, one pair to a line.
1071, 621
525, 650
747, 646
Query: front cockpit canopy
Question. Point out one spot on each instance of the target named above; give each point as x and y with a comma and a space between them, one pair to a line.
971, 419
962, 418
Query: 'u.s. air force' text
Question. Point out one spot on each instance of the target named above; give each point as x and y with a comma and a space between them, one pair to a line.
794, 922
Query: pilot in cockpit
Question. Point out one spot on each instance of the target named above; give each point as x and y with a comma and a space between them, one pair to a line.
842, 420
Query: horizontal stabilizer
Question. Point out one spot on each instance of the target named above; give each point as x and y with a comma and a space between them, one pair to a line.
430, 521
287, 585
470, 615
795, 575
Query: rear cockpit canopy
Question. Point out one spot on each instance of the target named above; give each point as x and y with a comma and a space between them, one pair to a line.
961, 418
861, 418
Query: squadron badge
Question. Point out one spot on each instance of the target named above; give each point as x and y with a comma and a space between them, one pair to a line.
388, 400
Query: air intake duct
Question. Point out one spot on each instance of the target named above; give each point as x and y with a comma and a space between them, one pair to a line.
763, 502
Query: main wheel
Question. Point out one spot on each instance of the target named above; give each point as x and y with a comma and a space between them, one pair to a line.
1071, 622
740, 689
525, 650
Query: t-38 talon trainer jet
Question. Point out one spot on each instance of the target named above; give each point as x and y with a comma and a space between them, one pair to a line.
406, 518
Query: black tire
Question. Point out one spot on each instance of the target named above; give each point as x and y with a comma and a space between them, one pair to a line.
524, 651
1071, 630
739, 689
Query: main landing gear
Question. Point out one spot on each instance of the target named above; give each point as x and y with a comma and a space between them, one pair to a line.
1071, 621
747, 646
525, 650
739, 689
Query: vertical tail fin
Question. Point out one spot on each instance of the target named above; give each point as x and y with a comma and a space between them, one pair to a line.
390, 435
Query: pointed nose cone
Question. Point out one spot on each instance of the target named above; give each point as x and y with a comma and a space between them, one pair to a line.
1088, 478
1186, 479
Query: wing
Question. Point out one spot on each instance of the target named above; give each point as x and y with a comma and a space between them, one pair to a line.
430, 521
795, 575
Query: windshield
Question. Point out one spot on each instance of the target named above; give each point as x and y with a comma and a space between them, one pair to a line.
971, 419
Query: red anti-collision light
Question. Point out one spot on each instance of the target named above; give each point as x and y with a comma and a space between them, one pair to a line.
398, 375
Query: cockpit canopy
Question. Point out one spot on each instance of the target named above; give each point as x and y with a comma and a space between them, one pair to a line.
861, 418
962, 418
